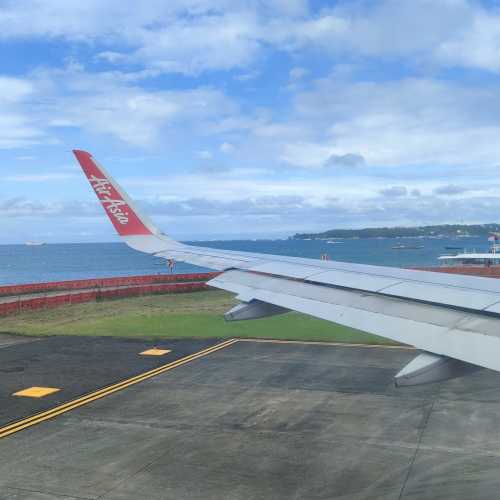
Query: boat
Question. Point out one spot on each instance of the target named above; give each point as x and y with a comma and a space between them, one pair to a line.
401, 246
470, 259
35, 243
450, 247
473, 258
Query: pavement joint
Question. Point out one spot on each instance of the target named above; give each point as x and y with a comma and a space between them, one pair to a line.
44, 492
425, 421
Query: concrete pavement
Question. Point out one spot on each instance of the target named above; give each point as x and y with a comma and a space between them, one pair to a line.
257, 421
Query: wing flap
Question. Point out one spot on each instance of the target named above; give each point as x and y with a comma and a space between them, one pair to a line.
469, 337
355, 280
428, 368
287, 269
439, 294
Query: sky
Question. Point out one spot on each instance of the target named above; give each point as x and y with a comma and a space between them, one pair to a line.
249, 118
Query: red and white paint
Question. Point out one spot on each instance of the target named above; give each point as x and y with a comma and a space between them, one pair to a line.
121, 214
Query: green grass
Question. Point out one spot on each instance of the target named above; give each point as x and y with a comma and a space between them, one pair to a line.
187, 315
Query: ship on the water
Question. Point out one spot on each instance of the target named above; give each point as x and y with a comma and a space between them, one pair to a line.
402, 246
473, 258
35, 243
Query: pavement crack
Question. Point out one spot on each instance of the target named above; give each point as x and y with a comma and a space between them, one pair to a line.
425, 421
59, 495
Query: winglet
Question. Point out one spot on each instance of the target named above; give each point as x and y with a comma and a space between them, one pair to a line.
120, 209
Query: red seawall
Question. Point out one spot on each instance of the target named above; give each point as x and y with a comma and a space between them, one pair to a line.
487, 272
102, 283
17, 298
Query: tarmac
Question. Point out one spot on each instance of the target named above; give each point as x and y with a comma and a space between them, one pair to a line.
243, 420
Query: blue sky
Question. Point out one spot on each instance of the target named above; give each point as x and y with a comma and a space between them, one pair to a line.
241, 118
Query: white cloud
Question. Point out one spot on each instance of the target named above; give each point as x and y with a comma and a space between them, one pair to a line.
298, 73
226, 148
477, 46
13, 90
348, 160
281, 213
288, 8
23, 207
219, 42
26, 158
33, 109
18, 130
394, 191
192, 36
186, 36
249, 75
405, 122
456, 33
18, 127
136, 116
106, 103
451, 189
204, 155
306, 154
35, 178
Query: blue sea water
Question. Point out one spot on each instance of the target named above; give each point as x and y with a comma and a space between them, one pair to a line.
32, 264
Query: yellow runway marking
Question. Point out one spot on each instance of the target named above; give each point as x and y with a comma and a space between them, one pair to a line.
155, 352
36, 392
331, 344
71, 405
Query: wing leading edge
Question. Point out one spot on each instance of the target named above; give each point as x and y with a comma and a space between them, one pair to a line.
453, 318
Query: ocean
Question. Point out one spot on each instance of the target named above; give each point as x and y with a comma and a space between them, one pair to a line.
56, 262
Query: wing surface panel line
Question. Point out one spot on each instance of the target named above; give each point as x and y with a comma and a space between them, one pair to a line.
318, 264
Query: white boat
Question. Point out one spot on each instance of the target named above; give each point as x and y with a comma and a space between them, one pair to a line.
481, 259
400, 246
473, 258
34, 243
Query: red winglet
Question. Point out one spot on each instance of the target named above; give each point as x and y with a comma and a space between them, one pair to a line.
116, 203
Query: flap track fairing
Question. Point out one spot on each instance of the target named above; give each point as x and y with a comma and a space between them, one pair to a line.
253, 309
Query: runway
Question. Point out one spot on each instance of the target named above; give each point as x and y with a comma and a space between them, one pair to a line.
250, 420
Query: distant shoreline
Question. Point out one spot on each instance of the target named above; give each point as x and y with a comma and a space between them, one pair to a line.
436, 231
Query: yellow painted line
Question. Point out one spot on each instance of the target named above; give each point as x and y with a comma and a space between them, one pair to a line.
71, 405
331, 344
36, 392
155, 352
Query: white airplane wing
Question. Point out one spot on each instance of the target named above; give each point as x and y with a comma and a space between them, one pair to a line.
454, 319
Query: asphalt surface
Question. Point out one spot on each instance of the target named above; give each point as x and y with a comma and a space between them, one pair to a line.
255, 421
76, 366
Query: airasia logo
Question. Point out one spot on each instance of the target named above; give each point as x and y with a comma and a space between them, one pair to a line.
103, 189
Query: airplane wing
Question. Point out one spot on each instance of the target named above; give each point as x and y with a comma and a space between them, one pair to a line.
454, 319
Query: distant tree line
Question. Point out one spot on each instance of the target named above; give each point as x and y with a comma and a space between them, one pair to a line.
443, 230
